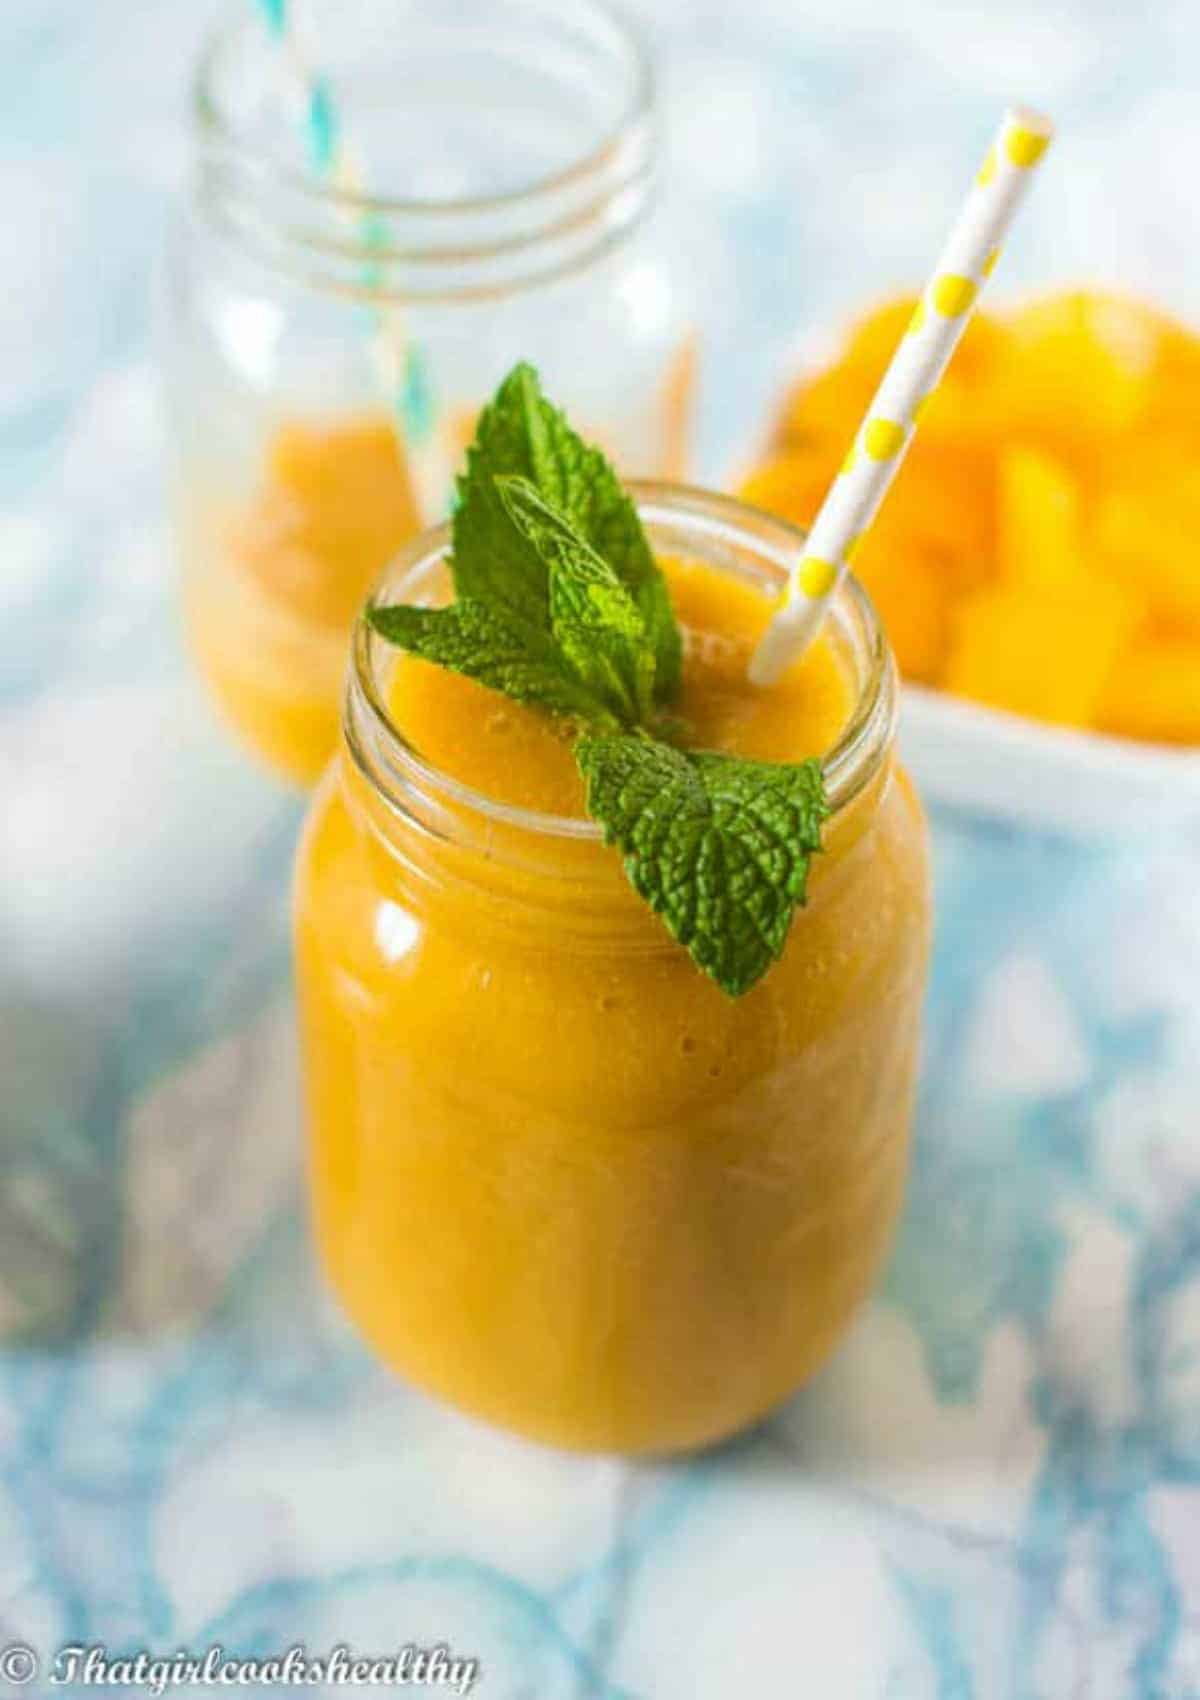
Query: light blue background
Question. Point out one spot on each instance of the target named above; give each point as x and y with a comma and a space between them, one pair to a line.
994, 1490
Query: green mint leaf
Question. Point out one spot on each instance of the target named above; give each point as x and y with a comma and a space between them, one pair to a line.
523, 435
718, 846
491, 561
498, 649
594, 620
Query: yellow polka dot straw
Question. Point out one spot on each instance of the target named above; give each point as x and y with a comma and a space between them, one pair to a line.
915, 371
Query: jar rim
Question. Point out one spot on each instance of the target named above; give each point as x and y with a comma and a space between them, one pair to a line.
390, 762
635, 113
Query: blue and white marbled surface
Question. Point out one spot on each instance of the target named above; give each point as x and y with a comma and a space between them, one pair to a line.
994, 1489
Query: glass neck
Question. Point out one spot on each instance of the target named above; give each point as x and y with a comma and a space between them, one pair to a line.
435, 827
474, 148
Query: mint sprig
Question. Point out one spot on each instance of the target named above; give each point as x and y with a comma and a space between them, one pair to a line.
719, 846
521, 434
561, 604
594, 620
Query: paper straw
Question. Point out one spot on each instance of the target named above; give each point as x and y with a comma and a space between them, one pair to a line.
916, 368
400, 365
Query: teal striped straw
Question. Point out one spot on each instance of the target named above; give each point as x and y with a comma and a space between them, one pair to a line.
400, 362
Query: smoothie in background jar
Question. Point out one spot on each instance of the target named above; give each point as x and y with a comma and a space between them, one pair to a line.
271, 587
511, 152
559, 1178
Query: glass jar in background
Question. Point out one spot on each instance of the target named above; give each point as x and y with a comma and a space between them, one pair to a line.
511, 153
559, 1177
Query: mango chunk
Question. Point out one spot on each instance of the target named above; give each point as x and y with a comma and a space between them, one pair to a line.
910, 598
792, 484
1172, 402
1038, 543
1044, 653
1084, 363
872, 338
963, 409
1146, 527
1153, 692
826, 410
942, 506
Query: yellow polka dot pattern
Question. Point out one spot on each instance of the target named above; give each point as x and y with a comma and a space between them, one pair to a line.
817, 577
987, 170
952, 294
883, 438
989, 265
851, 460
1025, 147
917, 323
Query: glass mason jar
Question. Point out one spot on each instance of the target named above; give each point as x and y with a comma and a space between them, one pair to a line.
559, 1178
512, 155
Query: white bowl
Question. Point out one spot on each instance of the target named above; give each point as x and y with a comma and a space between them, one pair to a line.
1083, 784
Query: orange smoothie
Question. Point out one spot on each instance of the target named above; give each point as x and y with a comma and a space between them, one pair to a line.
271, 589
560, 1178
